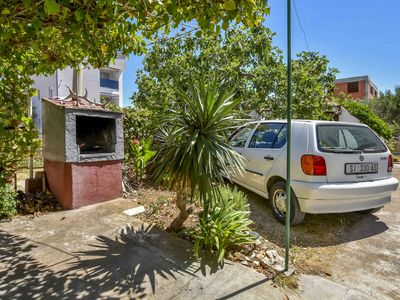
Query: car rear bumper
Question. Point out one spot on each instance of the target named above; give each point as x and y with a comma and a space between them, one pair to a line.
343, 197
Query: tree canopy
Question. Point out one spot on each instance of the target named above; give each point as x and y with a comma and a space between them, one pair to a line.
243, 57
42, 36
39, 37
387, 106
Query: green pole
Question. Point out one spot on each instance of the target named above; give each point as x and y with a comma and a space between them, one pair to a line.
289, 134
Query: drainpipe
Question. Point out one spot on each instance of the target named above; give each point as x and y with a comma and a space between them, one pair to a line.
56, 74
31, 156
77, 81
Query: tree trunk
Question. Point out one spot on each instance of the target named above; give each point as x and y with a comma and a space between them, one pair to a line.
184, 213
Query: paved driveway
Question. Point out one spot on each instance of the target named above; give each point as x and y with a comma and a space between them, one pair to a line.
98, 252
370, 261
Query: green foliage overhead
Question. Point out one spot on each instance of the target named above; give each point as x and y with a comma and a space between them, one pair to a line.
42, 36
365, 115
193, 148
243, 57
313, 83
39, 37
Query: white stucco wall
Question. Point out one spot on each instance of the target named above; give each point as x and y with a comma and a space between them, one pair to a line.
64, 79
91, 82
121, 89
45, 86
56, 85
345, 116
119, 66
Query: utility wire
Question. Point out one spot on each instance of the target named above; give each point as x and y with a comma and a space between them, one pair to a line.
301, 26
172, 37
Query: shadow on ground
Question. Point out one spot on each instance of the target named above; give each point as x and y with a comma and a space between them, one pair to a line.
127, 265
316, 231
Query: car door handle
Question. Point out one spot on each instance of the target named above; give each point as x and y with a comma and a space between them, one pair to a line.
268, 157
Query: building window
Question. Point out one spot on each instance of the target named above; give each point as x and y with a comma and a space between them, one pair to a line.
352, 87
104, 75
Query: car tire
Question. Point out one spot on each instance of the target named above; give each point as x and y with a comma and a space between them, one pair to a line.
371, 210
276, 195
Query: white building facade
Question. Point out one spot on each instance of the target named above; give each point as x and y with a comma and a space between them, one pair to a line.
102, 85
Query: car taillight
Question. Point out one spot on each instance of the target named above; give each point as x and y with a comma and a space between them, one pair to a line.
313, 165
390, 163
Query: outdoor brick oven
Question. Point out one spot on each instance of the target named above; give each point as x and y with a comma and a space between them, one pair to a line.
82, 151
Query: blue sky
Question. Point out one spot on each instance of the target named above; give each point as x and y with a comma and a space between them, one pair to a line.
360, 37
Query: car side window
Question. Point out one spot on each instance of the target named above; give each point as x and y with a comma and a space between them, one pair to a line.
239, 138
281, 138
266, 135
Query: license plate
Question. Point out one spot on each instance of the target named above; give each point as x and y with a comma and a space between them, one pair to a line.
361, 168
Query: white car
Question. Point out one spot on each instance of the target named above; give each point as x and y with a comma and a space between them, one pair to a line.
335, 166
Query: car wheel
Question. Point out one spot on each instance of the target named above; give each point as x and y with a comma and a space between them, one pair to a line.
277, 199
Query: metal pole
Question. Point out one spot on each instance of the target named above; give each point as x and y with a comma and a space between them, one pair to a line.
289, 134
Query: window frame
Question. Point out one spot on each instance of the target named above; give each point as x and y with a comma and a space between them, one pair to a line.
283, 124
317, 135
357, 90
255, 125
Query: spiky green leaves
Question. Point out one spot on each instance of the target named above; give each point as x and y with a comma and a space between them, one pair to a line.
194, 152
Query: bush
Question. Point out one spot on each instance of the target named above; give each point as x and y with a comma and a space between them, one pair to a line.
366, 116
19, 140
139, 125
226, 224
139, 154
235, 197
8, 201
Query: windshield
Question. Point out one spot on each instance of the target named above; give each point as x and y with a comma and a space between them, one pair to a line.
348, 139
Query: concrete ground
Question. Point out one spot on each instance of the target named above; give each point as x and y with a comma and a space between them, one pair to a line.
97, 252
370, 261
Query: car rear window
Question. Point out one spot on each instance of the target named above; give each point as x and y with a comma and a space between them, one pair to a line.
348, 139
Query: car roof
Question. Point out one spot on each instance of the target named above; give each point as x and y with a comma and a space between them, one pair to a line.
316, 122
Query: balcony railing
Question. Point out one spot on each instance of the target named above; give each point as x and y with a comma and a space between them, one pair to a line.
109, 83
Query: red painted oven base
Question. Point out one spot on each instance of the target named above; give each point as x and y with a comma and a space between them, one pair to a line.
80, 184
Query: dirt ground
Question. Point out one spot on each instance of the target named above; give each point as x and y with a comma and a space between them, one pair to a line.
314, 243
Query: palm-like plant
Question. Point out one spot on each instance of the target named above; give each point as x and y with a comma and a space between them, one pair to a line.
194, 151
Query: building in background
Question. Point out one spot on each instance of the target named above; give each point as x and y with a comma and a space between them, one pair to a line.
359, 88
102, 85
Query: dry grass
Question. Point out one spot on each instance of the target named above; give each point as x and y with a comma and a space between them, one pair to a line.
314, 243
290, 282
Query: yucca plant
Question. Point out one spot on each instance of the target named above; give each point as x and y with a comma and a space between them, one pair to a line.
224, 226
193, 148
